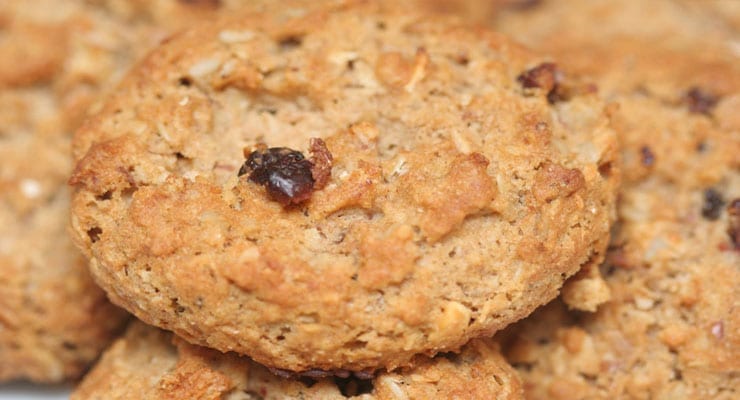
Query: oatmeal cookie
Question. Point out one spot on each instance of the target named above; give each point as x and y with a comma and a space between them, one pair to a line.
148, 363
671, 329
55, 59
450, 193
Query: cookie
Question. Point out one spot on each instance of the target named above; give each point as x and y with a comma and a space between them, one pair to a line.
671, 328
450, 193
55, 59
147, 363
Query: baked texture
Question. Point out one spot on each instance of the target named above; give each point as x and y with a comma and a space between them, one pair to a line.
458, 200
671, 329
55, 60
147, 363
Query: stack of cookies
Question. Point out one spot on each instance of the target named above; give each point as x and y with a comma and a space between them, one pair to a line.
359, 199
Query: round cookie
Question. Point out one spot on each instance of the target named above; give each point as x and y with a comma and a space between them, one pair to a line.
671, 329
153, 364
55, 60
459, 185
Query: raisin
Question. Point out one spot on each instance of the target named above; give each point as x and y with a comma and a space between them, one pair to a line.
647, 156
700, 102
94, 233
462, 59
734, 229
351, 387
542, 76
713, 203
285, 173
290, 42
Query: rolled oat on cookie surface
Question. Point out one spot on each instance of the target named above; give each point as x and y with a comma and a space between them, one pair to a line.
455, 186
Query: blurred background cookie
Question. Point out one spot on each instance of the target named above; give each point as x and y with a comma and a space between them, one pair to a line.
56, 59
671, 328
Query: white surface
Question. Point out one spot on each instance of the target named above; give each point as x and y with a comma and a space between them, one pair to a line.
27, 391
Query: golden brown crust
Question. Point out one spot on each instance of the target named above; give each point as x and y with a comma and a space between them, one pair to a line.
430, 202
152, 364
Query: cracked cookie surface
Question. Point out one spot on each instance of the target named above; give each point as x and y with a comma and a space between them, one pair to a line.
457, 201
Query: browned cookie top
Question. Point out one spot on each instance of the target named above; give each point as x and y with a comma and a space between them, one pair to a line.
460, 180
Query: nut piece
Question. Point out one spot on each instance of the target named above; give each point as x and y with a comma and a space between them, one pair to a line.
321, 161
547, 77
